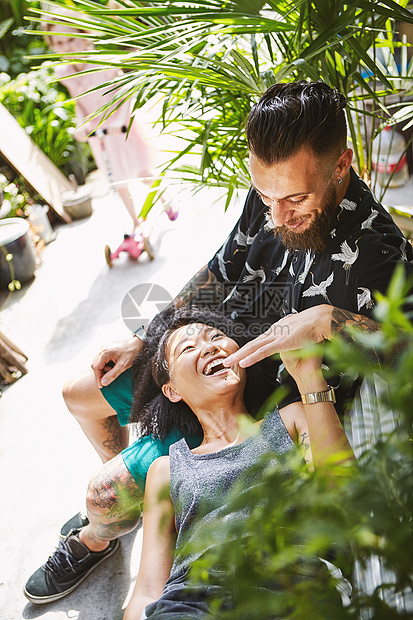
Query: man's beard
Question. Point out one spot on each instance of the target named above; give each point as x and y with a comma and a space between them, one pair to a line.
317, 236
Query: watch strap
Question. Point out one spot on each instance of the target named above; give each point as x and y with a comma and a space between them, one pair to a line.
328, 396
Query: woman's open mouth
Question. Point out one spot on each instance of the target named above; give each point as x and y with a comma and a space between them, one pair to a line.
215, 367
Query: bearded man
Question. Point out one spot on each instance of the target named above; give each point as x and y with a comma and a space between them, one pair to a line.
304, 261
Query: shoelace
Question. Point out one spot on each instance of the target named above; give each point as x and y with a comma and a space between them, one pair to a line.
61, 560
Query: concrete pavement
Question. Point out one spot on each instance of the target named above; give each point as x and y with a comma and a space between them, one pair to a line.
60, 320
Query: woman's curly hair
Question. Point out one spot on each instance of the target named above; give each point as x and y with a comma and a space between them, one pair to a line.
152, 412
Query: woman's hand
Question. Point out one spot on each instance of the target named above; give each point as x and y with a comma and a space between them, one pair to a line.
304, 365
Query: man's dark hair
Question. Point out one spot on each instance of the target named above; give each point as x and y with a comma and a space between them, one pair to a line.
291, 116
155, 414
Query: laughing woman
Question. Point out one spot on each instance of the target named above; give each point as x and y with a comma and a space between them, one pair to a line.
187, 387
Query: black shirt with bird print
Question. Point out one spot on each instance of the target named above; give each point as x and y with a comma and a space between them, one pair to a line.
263, 281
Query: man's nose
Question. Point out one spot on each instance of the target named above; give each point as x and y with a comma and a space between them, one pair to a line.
280, 212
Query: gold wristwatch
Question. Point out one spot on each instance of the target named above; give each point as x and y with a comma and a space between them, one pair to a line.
328, 396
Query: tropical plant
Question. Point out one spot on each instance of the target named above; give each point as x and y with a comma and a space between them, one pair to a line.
13, 200
211, 60
48, 117
344, 512
17, 48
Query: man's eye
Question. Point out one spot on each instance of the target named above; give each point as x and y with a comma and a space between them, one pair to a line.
299, 201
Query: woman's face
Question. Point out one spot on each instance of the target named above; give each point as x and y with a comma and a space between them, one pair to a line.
194, 354
64, 42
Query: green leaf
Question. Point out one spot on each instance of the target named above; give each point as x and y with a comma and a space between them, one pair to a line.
5, 25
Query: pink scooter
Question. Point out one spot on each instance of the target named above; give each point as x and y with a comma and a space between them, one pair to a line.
134, 247
135, 244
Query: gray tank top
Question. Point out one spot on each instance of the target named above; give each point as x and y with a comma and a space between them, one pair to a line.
200, 483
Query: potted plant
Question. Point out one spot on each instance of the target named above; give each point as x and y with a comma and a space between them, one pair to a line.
17, 254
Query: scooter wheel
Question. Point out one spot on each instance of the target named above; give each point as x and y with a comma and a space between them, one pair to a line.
107, 256
148, 248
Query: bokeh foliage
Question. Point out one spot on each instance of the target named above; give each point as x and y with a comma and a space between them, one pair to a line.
346, 513
210, 60
48, 117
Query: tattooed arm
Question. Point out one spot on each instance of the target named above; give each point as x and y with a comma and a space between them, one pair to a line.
341, 320
114, 359
203, 280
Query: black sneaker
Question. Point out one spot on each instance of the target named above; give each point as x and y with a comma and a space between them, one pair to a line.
69, 565
75, 523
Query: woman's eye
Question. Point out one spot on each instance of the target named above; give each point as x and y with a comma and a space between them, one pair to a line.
217, 335
187, 348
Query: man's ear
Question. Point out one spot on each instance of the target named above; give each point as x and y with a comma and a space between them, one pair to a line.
171, 394
344, 162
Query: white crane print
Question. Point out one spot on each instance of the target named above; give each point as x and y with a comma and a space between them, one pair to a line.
243, 239
320, 289
366, 225
364, 298
283, 264
403, 248
309, 258
347, 205
222, 262
347, 256
255, 274
269, 224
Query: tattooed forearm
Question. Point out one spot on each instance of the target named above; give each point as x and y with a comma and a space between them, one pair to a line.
117, 437
197, 289
342, 319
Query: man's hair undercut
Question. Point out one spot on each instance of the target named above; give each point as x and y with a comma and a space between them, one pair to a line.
300, 114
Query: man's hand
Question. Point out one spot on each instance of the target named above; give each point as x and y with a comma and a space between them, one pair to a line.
295, 331
111, 361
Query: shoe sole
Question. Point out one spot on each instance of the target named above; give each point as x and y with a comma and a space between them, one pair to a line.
42, 600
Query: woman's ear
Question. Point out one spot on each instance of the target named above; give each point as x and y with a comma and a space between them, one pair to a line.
171, 394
